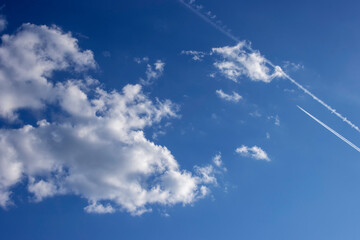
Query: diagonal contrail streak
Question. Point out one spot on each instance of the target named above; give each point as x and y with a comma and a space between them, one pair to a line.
292, 80
327, 106
331, 130
208, 20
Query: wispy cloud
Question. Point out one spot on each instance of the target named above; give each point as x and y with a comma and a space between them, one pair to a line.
153, 72
209, 19
141, 60
217, 160
253, 152
255, 114
276, 119
3, 23
292, 67
267, 135
234, 97
331, 130
196, 55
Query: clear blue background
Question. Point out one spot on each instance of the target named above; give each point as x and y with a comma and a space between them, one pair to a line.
310, 188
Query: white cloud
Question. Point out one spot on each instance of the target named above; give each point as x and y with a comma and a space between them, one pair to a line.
159, 65
100, 153
292, 67
255, 114
253, 152
238, 62
95, 145
153, 72
42, 189
218, 162
235, 97
28, 58
276, 119
141, 60
95, 207
207, 174
199, 7
196, 55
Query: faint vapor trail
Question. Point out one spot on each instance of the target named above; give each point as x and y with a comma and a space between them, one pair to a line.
208, 20
248, 47
331, 130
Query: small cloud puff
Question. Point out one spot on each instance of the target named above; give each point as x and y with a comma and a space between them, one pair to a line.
153, 72
254, 152
141, 60
234, 97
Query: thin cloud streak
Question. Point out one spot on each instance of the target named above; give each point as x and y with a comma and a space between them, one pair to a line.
331, 130
247, 46
209, 21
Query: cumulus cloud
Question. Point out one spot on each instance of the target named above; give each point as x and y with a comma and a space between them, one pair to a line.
95, 146
234, 97
253, 152
28, 58
196, 55
153, 72
237, 61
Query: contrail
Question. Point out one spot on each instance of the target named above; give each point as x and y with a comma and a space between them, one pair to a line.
327, 106
208, 20
331, 130
248, 47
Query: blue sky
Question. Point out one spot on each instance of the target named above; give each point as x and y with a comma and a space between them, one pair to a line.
146, 120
